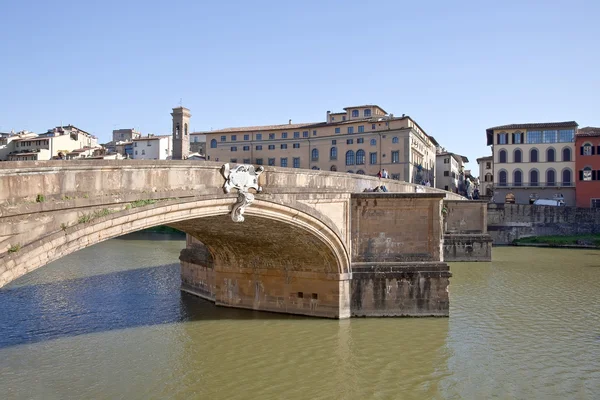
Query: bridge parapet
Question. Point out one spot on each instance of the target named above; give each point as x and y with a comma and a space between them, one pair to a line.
465, 231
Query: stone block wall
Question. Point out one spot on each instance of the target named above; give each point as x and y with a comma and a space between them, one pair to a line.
465, 216
507, 222
466, 237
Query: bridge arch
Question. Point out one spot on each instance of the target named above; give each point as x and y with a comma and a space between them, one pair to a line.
273, 235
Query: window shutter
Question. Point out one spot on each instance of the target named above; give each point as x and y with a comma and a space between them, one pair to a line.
513, 138
581, 150
598, 151
594, 175
580, 175
498, 139
593, 150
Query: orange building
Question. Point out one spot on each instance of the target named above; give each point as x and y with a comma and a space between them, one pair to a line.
587, 163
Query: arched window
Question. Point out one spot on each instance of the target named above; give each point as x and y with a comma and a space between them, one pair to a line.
533, 155
360, 157
185, 130
315, 167
586, 174
566, 177
550, 178
587, 149
394, 140
350, 172
367, 113
177, 131
213, 144
360, 172
315, 154
566, 154
333, 168
354, 113
550, 155
534, 177
518, 156
502, 156
518, 177
349, 157
373, 142
502, 177
333, 153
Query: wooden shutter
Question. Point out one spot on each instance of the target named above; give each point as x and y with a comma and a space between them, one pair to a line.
581, 150
580, 175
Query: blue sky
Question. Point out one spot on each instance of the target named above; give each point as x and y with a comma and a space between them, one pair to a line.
457, 68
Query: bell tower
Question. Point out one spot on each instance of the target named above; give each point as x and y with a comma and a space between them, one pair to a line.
181, 136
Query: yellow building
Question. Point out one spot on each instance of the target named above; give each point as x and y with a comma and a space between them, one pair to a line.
362, 139
533, 161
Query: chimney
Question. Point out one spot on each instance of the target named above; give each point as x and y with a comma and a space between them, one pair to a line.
403, 115
327, 119
290, 122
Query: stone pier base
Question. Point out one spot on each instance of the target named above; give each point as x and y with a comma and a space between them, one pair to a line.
467, 247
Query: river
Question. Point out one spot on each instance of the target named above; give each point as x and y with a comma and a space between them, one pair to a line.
109, 322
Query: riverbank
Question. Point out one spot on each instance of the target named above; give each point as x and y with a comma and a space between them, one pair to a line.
573, 241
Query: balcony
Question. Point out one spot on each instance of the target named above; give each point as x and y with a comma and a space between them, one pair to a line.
534, 184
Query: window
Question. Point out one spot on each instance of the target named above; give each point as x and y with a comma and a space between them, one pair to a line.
446, 160
489, 177
360, 140
595, 203
143, 152
195, 139
271, 136
533, 155
566, 154
246, 148
259, 147
271, 161
283, 146
259, 136
550, 155
333, 153
350, 129
446, 173
296, 161
136, 153
587, 150
271, 147
488, 165
502, 179
394, 140
223, 138
373, 142
314, 133
502, 138
354, 113
518, 156
550, 178
296, 145
350, 157
284, 135
517, 138
246, 161
296, 135
566, 177
315, 155
333, 168
233, 160
360, 172
349, 141
549, 136
315, 167
213, 144
395, 157
337, 130
283, 161
502, 156
373, 126
360, 157
333, 142
566, 135
233, 148
533, 177
367, 113
446, 188
534, 137
586, 174
372, 158
305, 134
518, 177
361, 128
246, 137
233, 138
350, 171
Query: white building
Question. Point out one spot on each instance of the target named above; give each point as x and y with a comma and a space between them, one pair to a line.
486, 176
153, 147
448, 168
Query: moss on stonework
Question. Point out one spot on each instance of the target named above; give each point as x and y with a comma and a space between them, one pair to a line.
570, 240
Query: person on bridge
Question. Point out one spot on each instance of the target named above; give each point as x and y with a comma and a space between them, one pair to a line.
385, 174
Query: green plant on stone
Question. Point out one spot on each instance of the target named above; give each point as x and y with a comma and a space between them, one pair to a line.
14, 248
40, 198
141, 203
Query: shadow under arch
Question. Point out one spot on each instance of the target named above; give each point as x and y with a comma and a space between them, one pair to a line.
301, 228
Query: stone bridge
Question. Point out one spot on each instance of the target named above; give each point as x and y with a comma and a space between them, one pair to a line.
312, 241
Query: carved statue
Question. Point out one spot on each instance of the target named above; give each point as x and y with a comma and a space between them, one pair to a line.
243, 177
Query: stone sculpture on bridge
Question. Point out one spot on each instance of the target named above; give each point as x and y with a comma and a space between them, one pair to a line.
243, 177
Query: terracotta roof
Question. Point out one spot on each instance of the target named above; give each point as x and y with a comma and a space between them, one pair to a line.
540, 125
589, 131
265, 127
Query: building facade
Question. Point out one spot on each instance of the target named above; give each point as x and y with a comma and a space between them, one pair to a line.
198, 143
362, 140
587, 165
152, 148
486, 177
533, 161
449, 168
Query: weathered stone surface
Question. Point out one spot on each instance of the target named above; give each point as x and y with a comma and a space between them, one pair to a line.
465, 228
467, 247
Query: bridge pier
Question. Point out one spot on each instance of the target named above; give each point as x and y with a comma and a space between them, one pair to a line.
465, 231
